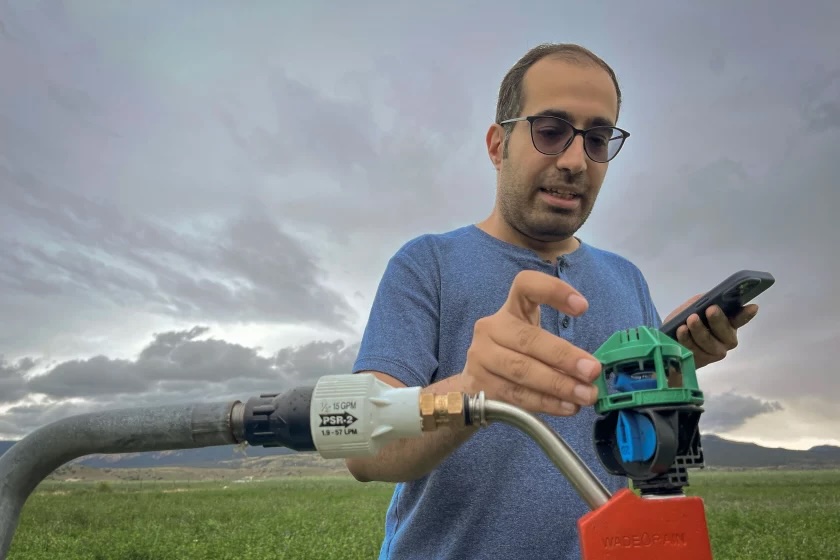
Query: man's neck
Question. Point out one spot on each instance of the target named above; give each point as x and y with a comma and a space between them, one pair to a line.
496, 226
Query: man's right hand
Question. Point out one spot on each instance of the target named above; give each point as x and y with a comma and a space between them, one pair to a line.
513, 359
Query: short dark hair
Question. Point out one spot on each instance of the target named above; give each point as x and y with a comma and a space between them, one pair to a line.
511, 96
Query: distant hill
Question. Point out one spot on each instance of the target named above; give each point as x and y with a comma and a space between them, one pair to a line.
719, 452
227, 455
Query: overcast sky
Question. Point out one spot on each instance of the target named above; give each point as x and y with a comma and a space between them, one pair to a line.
197, 200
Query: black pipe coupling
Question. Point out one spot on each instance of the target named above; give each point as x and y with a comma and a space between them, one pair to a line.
280, 420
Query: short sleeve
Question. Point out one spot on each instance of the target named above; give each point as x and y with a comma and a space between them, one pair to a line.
402, 332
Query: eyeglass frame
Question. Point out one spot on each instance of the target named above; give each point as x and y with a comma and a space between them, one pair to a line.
575, 131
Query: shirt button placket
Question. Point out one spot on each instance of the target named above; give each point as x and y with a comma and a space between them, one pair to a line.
561, 266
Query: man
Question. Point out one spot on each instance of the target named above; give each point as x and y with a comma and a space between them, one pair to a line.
514, 306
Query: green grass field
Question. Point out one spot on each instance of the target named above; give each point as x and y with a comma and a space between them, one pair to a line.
751, 515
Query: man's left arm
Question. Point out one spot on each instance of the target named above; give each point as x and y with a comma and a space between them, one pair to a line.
711, 345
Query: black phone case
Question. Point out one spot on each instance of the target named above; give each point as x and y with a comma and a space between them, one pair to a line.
731, 296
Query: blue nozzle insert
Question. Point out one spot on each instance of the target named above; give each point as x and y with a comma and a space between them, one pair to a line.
636, 436
635, 382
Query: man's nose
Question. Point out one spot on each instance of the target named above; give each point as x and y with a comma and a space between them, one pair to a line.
574, 157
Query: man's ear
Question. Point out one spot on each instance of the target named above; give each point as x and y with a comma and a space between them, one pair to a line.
495, 140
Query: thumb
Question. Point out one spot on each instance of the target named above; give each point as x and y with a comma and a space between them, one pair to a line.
682, 307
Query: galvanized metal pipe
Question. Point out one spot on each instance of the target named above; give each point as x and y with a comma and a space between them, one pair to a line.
589, 486
34, 457
190, 426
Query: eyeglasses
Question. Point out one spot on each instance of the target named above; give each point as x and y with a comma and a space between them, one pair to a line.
552, 136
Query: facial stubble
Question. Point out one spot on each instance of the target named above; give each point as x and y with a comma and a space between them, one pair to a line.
522, 211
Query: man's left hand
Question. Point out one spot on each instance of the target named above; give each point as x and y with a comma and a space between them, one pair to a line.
710, 345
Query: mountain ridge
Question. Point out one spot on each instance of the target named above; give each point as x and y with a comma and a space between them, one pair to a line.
718, 452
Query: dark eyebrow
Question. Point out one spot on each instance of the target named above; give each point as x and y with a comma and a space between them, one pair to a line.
565, 115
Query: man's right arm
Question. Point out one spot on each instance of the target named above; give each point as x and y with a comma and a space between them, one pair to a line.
412, 458
511, 359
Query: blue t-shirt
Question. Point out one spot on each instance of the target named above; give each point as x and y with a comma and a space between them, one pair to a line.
497, 496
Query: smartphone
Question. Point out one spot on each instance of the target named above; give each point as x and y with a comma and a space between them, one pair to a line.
731, 296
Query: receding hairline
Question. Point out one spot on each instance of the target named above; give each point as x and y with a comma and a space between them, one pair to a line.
510, 99
576, 58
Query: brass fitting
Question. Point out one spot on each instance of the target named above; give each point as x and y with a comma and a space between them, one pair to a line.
439, 410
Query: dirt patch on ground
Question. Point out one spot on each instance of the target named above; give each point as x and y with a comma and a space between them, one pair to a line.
249, 469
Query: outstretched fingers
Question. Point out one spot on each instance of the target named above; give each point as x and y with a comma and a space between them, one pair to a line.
513, 359
527, 378
553, 351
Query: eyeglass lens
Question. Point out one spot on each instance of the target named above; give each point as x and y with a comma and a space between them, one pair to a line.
552, 136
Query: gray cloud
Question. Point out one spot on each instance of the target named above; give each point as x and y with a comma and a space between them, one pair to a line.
176, 366
178, 359
799, 370
12, 379
92, 377
251, 270
407, 167
728, 411
20, 420
821, 102
156, 176
310, 131
772, 191
773, 211
191, 235
315, 359
74, 101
